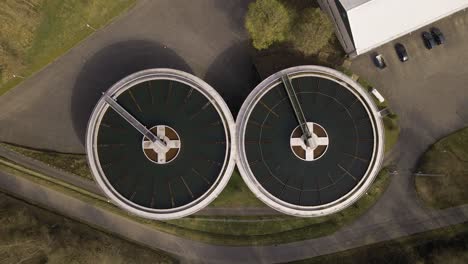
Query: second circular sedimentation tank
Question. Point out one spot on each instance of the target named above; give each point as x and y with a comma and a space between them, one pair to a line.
310, 141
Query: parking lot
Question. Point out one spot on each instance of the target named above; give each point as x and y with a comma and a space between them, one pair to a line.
429, 92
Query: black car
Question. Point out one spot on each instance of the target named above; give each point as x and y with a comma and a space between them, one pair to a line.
428, 39
438, 36
401, 52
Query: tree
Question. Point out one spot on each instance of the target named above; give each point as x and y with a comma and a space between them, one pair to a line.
312, 31
267, 21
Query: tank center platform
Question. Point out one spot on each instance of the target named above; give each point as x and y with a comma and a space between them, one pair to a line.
170, 149
314, 151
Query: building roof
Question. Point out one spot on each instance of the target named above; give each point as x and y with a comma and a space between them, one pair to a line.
350, 4
375, 22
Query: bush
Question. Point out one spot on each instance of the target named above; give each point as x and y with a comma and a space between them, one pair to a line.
267, 22
312, 31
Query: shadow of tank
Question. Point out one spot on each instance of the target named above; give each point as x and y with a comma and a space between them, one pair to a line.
110, 65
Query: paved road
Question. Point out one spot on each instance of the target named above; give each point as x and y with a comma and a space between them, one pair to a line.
193, 251
204, 37
430, 94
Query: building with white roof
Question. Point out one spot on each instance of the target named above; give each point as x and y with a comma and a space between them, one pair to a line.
363, 25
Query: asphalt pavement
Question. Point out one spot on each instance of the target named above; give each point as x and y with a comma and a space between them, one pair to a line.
205, 37
430, 95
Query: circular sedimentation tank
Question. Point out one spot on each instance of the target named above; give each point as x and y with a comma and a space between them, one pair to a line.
310, 141
160, 144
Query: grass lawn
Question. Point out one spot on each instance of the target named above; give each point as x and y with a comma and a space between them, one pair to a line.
448, 160
392, 131
236, 194
30, 234
445, 245
35, 32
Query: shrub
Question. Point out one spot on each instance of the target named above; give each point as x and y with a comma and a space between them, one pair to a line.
312, 31
267, 22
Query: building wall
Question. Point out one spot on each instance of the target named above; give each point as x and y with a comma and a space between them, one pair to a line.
330, 7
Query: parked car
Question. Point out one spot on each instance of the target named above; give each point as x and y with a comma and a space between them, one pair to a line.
401, 52
379, 61
428, 39
438, 36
